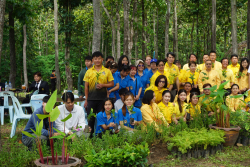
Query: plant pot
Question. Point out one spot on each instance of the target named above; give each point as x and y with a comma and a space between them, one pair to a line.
244, 141
206, 153
199, 153
231, 134
189, 154
238, 140
212, 150
71, 162
218, 148
179, 155
195, 154
184, 156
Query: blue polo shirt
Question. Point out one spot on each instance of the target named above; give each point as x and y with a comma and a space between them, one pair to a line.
144, 81
150, 74
102, 119
112, 94
146, 70
137, 116
134, 86
123, 83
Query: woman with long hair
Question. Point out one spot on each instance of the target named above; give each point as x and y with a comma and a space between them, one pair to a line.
241, 78
151, 113
123, 60
180, 106
235, 103
195, 108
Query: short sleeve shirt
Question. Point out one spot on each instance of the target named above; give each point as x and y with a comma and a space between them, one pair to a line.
93, 77
126, 119
123, 83
102, 119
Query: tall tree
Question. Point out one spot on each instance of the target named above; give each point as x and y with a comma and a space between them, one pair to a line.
12, 76
131, 35
175, 31
126, 34
167, 27
96, 44
143, 45
24, 54
155, 27
118, 35
57, 69
248, 29
2, 12
213, 35
234, 26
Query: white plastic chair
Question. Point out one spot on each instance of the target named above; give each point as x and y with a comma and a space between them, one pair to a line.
17, 115
82, 105
6, 95
28, 104
2, 114
36, 101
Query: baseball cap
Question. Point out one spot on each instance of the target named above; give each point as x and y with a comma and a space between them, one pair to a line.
153, 61
138, 62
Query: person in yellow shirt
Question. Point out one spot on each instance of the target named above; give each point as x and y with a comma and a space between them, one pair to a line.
160, 85
192, 57
247, 100
181, 107
215, 64
242, 76
235, 66
191, 76
187, 88
182, 74
195, 108
205, 101
235, 103
166, 107
151, 113
226, 74
160, 65
208, 76
202, 66
172, 71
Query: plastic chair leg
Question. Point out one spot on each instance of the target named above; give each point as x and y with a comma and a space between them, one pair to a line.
11, 113
13, 129
2, 116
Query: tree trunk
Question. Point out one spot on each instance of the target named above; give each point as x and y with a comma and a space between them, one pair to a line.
118, 35
102, 38
97, 27
12, 76
167, 27
192, 37
248, 29
24, 56
57, 69
225, 41
126, 7
155, 27
213, 35
112, 21
136, 37
90, 32
143, 45
131, 37
234, 26
175, 31
2, 12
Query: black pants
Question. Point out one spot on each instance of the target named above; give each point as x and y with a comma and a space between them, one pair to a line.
53, 87
96, 105
27, 100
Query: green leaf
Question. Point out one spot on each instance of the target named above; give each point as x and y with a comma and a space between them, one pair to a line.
57, 137
212, 88
54, 114
34, 132
67, 118
40, 127
236, 96
42, 116
28, 134
201, 95
69, 137
62, 133
52, 101
221, 87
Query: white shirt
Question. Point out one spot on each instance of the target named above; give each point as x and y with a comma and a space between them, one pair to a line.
118, 105
77, 119
39, 83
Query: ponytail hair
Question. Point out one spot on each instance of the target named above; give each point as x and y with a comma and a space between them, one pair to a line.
125, 97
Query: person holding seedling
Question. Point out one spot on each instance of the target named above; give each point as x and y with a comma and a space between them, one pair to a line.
192, 76
151, 113
160, 71
233, 101
129, 116
194, 107
187, 88
241, 78
120, 102
135, 86
182, 74
206, 100
180, 107
166, 107
107, 119
112, 66
77, 121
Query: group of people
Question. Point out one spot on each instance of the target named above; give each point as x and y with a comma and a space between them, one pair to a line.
157, 92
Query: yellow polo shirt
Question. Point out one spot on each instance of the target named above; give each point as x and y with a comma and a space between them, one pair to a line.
211, 77
235, 103
201, 67
167, 111
194, 111
206, 103
186, 67
216, 66
195, 77
182, 77
150, 114
235, 69
227, 76
184, 110
104, 77
243, 80
157, 74
158, 93
172, 73
176, 97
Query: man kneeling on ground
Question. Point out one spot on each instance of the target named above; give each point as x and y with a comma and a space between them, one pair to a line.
29, 141
77, 121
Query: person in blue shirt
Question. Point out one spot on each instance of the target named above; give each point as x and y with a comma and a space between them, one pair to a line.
113, 68
107, 119
122, 78
153, 69
148, 60
29, 141
123, 60
129, 116
142, 74
135, 86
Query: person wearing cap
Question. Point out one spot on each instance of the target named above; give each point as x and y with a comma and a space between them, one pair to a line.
192, 57
172, 71
148, 61
142, 74
152, 71
32, 123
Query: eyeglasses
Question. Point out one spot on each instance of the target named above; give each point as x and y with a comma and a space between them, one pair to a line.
140, 65
162, 81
